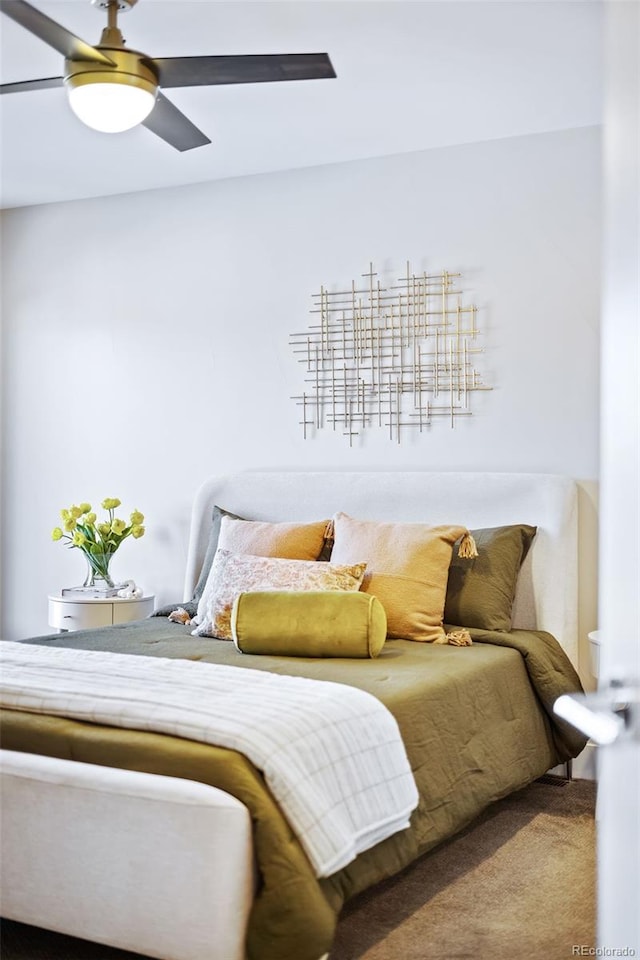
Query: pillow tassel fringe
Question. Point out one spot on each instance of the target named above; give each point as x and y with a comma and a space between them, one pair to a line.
467, 549
458, 638
180, 615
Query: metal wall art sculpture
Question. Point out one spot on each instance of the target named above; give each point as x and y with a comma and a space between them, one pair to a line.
395, 357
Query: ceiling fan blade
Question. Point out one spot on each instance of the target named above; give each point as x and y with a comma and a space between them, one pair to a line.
51, 32
27, 85
205, 71
171, 125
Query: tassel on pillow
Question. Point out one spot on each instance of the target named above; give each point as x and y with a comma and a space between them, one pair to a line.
458, 638
467, 549
180, 615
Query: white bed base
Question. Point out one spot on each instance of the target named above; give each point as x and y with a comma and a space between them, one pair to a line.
125, 858
164, 867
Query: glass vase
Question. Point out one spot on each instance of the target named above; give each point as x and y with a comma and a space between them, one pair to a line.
98, 575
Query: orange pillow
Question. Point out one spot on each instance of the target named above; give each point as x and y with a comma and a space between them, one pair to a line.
292, 541
407, 569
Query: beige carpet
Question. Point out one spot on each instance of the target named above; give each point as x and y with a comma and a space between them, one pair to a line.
518, 884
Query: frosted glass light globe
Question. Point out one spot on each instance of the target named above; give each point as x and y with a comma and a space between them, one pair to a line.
111, 107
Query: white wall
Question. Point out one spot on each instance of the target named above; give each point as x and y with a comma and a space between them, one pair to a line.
146, 336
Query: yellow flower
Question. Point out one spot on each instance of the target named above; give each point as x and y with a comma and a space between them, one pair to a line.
80, 527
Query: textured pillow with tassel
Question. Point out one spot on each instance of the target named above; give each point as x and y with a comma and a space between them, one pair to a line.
407, 570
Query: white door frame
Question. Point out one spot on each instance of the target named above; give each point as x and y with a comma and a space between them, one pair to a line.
618, 812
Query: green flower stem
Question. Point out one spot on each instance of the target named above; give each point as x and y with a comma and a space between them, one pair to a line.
99, 564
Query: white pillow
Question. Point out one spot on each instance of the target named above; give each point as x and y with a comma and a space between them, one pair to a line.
234, 573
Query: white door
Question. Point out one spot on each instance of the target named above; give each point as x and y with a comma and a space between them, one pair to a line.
619, 764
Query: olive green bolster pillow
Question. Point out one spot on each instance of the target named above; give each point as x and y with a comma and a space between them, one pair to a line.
310, 623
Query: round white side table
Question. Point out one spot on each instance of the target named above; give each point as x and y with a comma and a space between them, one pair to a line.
77, 613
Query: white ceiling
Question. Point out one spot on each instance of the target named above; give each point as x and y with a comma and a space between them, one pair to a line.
411, 76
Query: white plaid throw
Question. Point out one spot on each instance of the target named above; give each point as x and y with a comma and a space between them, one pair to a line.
331, 755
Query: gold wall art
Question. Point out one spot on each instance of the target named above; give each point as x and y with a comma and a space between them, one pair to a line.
394, 357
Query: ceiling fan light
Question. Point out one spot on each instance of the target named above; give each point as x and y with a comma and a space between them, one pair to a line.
111, 106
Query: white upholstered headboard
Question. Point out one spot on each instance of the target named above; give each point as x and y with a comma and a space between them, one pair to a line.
547, 594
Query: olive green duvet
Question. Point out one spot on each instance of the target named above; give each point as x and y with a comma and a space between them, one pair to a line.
476, 721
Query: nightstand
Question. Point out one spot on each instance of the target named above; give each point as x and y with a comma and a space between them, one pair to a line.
72, 613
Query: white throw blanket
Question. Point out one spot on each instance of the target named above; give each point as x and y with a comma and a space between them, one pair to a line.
331, 755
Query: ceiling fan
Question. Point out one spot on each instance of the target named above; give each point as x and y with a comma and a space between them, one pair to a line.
112, 88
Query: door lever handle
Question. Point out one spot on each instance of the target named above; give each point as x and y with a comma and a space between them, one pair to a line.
603, 716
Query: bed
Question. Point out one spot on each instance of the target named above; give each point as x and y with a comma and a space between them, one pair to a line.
476, 722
